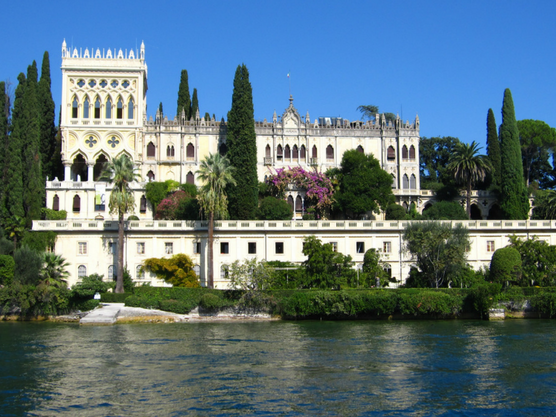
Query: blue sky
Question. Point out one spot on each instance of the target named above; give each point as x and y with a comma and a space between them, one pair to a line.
447, 61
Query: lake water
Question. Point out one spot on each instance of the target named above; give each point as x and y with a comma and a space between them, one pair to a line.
398, 368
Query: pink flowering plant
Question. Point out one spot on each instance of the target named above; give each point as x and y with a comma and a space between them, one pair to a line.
317, 185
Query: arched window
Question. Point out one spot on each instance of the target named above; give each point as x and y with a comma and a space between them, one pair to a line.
99, 166
143, 204
56, 203
150, 175
405, 154
140, 274
391, 156
76, 204
151, 150
170, 151
298, 204
190, 178
287, 153
295, 152
412, 152
108, 114
81, 271
329, 152
130, 109
315, 155
360, 149
86, 108
97, 108
190, 152
267, 151
405, 184
302, 152
279, 152
120, 109
413, 182
74, 108
290, 202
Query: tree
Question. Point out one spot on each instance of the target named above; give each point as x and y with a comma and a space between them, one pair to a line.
250, 275
513, 194
325, 268
364, 185
369, 112
155, 192
4, 114
493, 148
272, 208
538, 260
373, 269
120, 172
54, 271
216, 173
437, 249
242, 149
47, 122
544, 205
184, 100
445, 210
194, 104
395, 212
536, 139
468, 168
178, 270
434, 156
505, 265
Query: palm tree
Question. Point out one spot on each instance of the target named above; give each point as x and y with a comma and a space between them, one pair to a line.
121, 172
54, 272
216, 173
368, 111
468, 167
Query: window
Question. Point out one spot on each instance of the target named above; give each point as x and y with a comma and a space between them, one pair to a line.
112, 272
279, 152
252, 248
334, 246
315, 155
139, 274
143, 204
360, 247
267, 151
130, 109
413, 182
97, 108
302, 152
56, 203
76, 204
360, 149
295, 152
108, 109
387, 247
405, 182
224, 272
150, 175
141, 248
74, 107
151, 150
120, 109
391, 156
224, 247
412, 152
279, 247
81, 271
329, 152
287, 153
491, 247
112, 247
82, 248
190, 151
405, 154
86, 108
197, 247
168, 248
190, 178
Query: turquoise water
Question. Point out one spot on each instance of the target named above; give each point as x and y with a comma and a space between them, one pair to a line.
417, 368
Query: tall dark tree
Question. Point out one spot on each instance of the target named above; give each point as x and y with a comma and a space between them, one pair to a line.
536, 139
194, 104
184, 100
4, 112
12, 204
493, 149
47, 123
513, 197
242, 149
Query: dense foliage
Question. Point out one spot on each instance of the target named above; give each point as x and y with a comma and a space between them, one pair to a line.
272, 208
493, 149
505, 266
177, 270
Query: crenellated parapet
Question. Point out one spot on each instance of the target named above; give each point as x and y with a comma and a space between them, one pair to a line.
116, 54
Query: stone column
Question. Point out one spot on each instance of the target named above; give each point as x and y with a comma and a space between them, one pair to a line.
67, 171
90, 171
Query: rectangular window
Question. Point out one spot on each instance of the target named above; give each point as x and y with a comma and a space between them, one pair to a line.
360, 247
334, 246
168, 248
112, 247
279, 247
196, 247
490, 246
252, 248
82, 248
387, 247
141, 248
224, 248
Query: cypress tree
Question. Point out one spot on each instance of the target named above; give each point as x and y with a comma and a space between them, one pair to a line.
4, 111
161, 110
12, 204
242, 149
194, 103
47, 115
513, 196
493, 148
184, 102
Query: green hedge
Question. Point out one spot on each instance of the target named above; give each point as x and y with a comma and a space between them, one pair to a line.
112, 297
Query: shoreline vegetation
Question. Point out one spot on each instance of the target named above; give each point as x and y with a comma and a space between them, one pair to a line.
162, 305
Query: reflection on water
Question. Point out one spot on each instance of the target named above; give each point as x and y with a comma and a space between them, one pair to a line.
285, 368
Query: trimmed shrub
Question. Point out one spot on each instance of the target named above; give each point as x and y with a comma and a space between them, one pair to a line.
431, 303
49, 214
85, 305
112, 297
505, 265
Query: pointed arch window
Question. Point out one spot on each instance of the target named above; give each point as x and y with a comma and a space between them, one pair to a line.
298, 204
108, 114
130, 109
287, 152
315, 153
302, 152
170, 151
86, 108
405, 153
56, 203
329, 153
150, 176
120, 109
76, 204
391, 155
405, 184
267, 151
360, 149
151, 150
190, 152
74, 108
279, 152
190, 178
412, 152
295, 152
97, 108
143, 204
413, 182
290, 202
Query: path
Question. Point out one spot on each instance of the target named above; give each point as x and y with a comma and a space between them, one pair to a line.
105, 315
